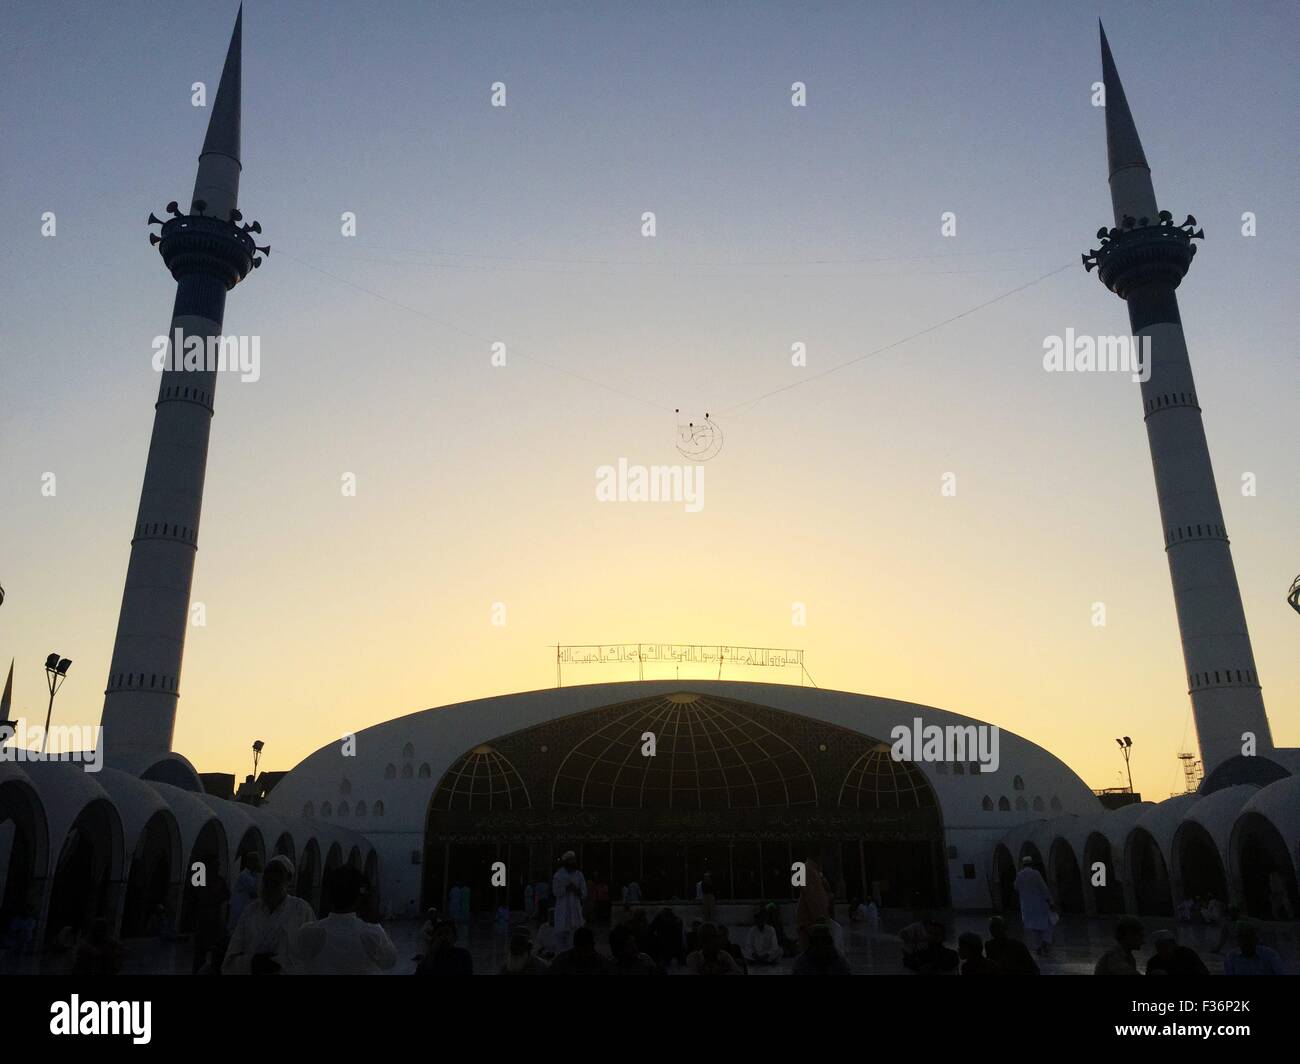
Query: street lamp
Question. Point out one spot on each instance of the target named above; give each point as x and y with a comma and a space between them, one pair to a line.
1125, 745
257, 754
56, 671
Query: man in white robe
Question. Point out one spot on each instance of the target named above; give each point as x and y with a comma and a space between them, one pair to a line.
342, 943
570, 889
1036, 906
260, 943
762, 946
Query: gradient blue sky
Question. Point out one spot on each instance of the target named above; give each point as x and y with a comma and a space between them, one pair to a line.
776, 225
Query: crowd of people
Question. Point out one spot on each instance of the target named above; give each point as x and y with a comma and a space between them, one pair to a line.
924, 952
257, 926
639, 945
564, 943
1168, 957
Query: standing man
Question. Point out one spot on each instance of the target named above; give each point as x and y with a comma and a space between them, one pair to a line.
260, 943
1036, 906
342, 943
247, 886
705, 895
569, 886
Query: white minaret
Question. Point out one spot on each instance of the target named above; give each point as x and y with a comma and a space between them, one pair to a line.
1143, 260
208, 253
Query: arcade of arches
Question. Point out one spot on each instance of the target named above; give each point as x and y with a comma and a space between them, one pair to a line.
89, 871
738, 790
1153, 887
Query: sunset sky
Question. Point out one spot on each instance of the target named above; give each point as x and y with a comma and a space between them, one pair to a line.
776, 225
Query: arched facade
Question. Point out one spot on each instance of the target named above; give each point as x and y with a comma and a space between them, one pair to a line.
307, 884
1197, 866
24, 840
752, 758
1264, 850
76, 846
1149, 874
1235, 841
86, 881
1065, 877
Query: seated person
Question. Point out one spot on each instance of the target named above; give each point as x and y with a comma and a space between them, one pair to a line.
1010, 954
970, 948
711, 958
761, 946
1172, 959
934, 958
821, 957
1250, 958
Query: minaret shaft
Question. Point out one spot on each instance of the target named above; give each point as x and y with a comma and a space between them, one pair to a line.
144, 677
1222, 679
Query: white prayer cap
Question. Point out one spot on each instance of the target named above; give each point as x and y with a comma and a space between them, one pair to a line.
1026, 861
286, 864
568, 855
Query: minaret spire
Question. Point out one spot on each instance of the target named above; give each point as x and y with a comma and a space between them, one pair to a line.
1143, 259
217, 183
1123, 146
1131, 191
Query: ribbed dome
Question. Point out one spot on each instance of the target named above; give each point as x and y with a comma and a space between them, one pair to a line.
709, 754
479, 781
877, 781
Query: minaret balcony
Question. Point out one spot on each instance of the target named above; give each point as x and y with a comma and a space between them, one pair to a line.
1141, 253
202, 244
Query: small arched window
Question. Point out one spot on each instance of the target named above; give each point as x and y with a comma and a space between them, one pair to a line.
390, 772
408, 750
407, 772
379, 808
308, 810
1038, 803
987, 804
1021, 805
1018, 783
1056, 803
425, 773
345, 787
1004, 804
361, 808
326, 809
343, 808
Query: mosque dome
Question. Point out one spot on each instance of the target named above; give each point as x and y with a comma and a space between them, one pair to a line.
709, 753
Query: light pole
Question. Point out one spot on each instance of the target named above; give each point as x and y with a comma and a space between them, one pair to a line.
257, 754
1125, 745
56, 671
